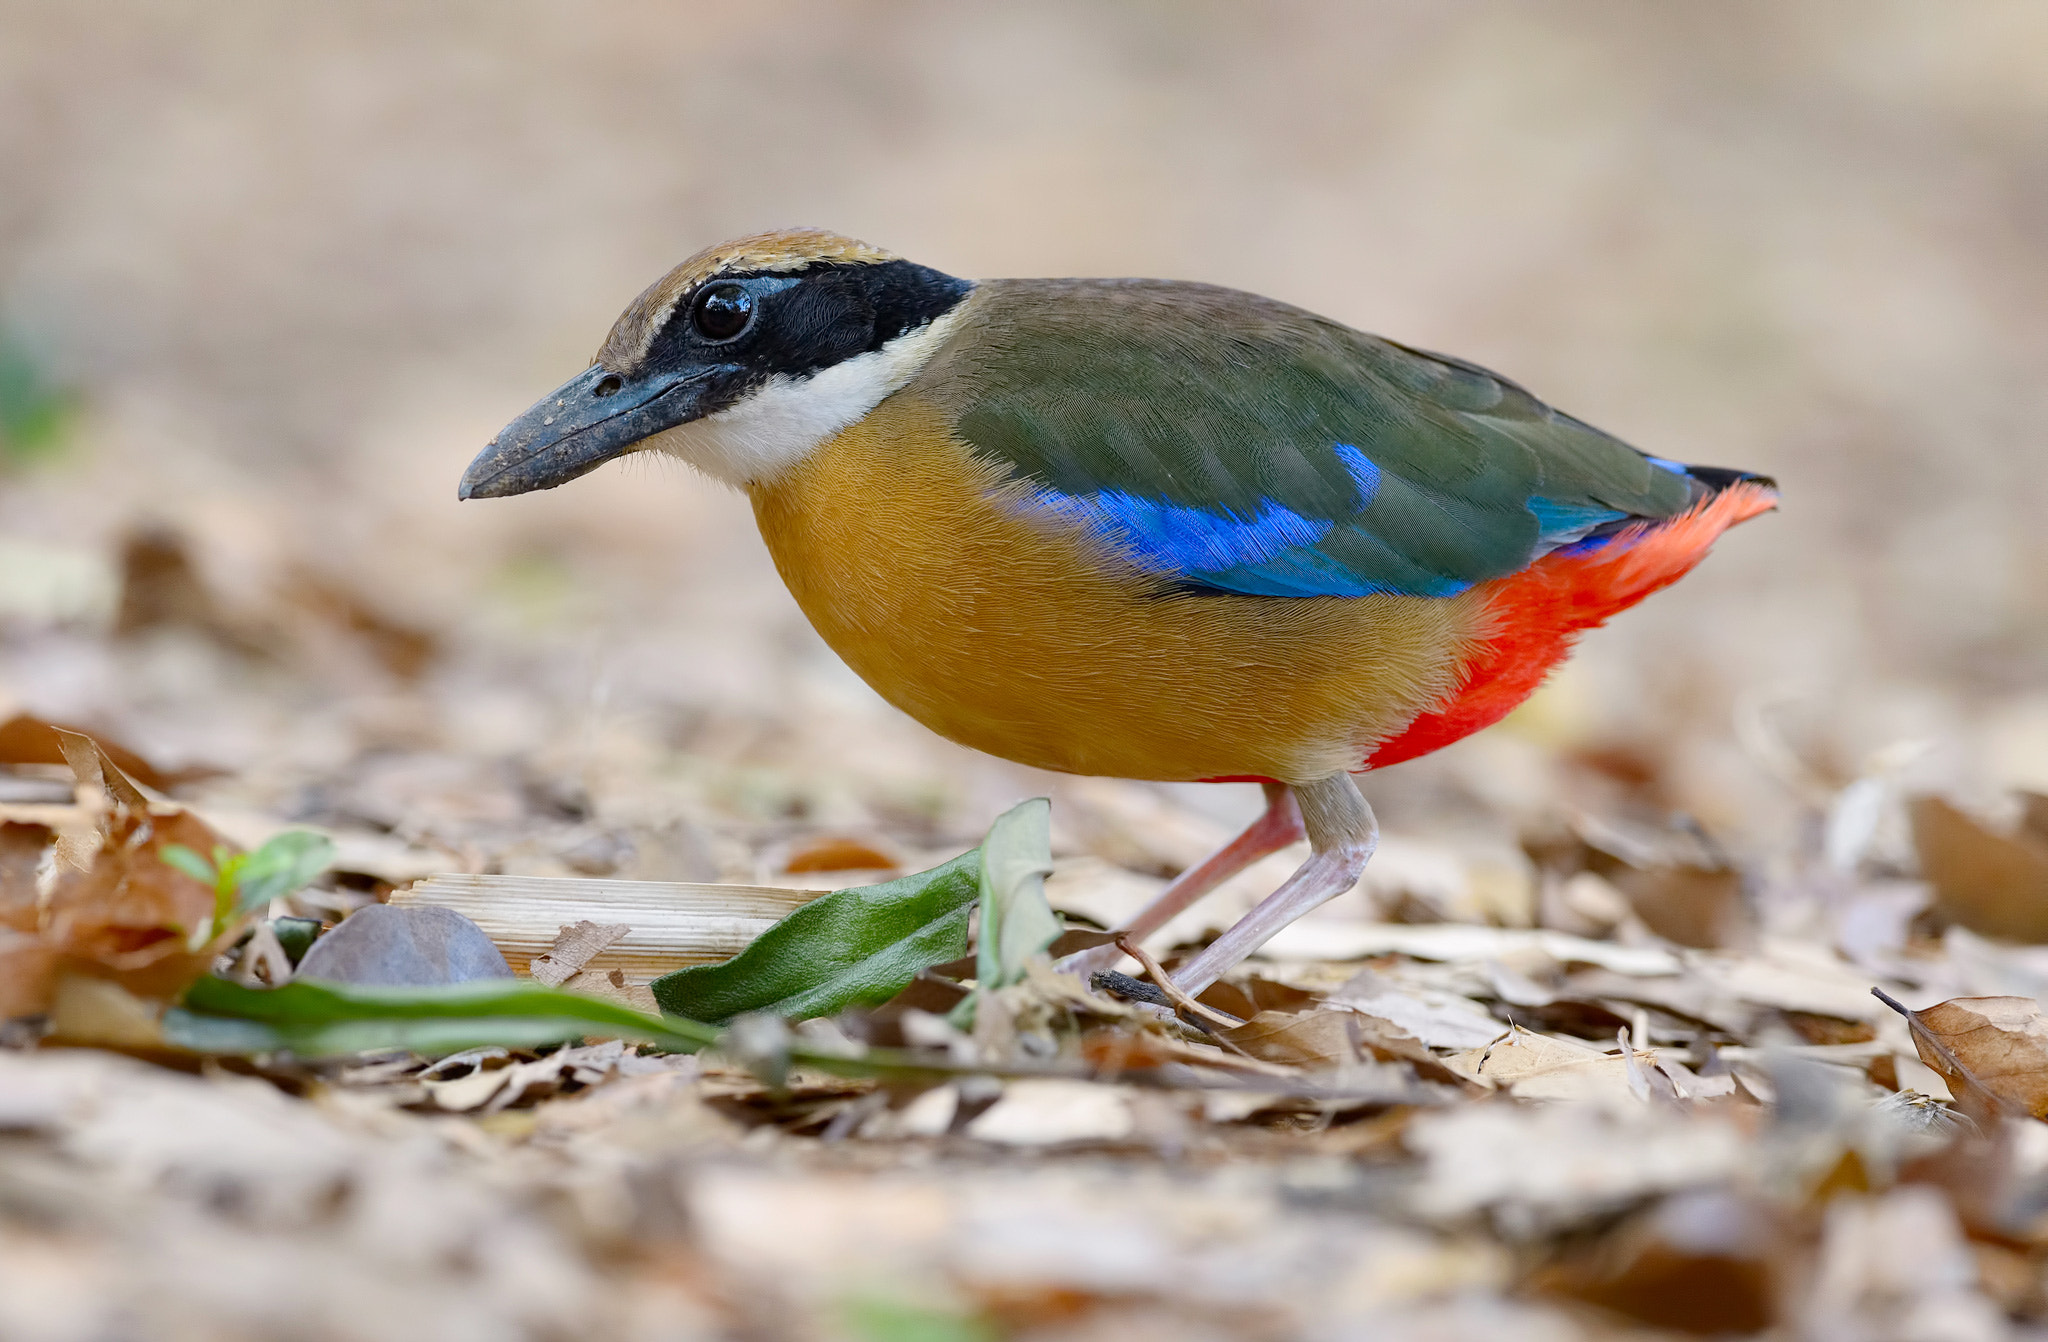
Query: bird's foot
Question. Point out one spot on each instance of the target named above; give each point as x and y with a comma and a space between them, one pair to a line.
1277, 826
1342, 835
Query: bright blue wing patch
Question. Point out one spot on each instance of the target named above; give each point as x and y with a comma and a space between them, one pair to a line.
1274, 551
1270, 552
1168, 538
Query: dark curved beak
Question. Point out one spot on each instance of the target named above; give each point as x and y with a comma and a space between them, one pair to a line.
578, 427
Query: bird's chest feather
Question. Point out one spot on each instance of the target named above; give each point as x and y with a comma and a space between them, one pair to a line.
1020, 639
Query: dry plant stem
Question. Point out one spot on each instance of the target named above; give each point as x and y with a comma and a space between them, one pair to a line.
1166, 985
1278, 826
1989, 1100
1342, 835
898, 1064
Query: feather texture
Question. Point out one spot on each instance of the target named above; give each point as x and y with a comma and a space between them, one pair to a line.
910, 555
1233, 443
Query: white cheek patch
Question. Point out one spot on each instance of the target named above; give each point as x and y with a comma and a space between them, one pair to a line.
786, 418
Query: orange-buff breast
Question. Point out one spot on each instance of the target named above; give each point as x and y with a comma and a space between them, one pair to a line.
1017, 638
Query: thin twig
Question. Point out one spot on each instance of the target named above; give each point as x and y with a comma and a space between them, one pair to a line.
1172, 989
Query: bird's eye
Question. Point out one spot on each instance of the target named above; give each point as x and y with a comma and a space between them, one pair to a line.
723, 311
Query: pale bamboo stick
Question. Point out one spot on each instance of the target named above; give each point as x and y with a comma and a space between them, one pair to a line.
674, 924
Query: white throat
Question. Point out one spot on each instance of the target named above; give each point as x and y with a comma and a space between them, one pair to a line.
782, 421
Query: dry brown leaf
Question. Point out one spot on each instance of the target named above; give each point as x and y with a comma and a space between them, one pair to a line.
403, 650
115, 909
838, 854
574, 947
28, 740
1693, 906
1533, 1066
1245, 996
1992, 883
132, 912
1997, 1045
21, 853
1702, 1262
2034, 814
1673, 879
1438, 1018
99, 1012
1299, 1039
28, 969
1995, 885
1390, 1043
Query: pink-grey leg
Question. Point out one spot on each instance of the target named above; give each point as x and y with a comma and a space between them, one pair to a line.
1279, 825
1342, 834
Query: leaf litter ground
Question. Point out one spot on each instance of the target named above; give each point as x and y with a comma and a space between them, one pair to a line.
1565, 1068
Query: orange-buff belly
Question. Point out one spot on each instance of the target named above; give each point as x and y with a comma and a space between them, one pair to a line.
1025, 643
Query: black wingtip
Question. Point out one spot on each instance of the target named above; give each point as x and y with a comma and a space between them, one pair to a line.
1718, 478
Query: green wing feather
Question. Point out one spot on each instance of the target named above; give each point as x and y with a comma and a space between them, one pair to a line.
1203, 430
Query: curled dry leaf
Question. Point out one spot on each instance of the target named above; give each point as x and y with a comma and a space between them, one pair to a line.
27, 740
1986, 1046
109, 907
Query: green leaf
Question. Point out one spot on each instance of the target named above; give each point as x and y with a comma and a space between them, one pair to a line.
880, 1320
296, 936
856, 947
1016, 922
184, 859
314, 1019
33, 414
288, 862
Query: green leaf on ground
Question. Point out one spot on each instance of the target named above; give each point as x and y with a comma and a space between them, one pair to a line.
315, 1019
856, 947
1016, 921
879, 1320
289, 862
34, 414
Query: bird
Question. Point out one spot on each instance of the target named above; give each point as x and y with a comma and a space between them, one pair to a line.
1148, 529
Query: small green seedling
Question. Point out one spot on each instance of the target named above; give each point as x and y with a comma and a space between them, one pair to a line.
241, 881
34, 414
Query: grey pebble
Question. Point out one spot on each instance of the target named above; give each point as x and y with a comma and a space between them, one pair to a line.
412, 946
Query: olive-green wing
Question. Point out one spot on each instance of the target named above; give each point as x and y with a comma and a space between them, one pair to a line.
1234, 443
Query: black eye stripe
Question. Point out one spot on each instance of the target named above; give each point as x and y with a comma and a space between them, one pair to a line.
795, 322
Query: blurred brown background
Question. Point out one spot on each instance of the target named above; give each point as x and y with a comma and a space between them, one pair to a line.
270, 275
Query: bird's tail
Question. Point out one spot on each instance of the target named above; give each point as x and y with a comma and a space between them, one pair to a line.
1538, 613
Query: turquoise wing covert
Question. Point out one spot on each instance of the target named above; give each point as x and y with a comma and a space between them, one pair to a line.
1237, 444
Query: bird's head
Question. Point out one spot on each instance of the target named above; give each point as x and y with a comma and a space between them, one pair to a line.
740, 361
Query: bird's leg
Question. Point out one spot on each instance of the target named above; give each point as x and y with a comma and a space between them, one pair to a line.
1341, 836
1278, 826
